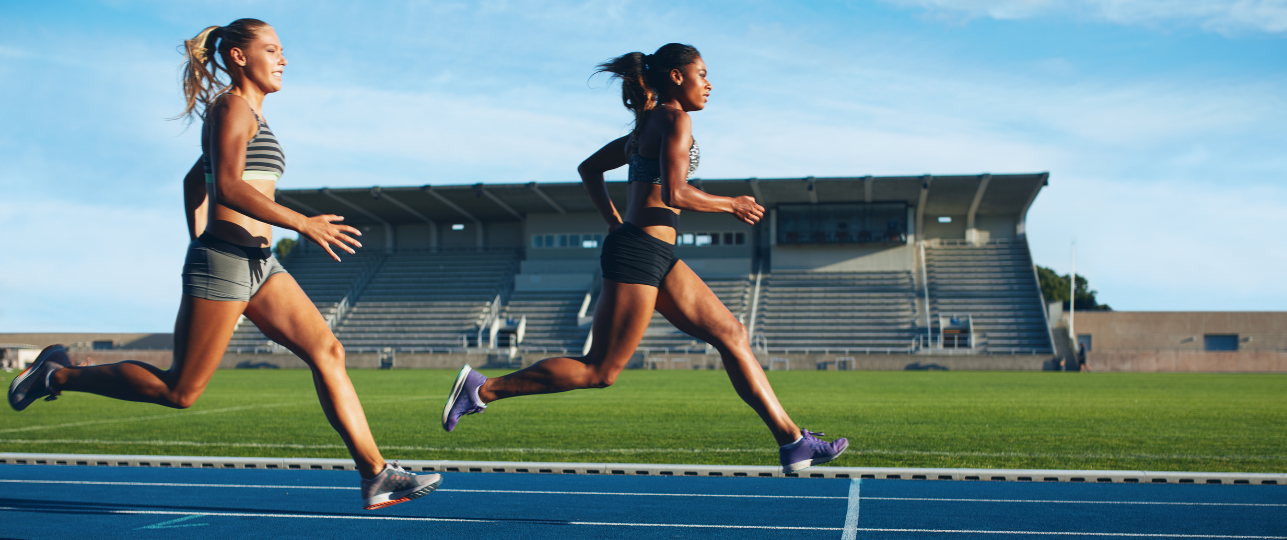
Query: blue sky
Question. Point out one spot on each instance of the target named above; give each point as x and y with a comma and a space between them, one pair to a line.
1160, 121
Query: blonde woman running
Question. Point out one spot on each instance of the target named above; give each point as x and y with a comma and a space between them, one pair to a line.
230, 270
640, 270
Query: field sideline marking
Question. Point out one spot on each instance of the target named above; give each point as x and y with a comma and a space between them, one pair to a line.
429, 519
853, 494
151, 417
851, 514
584, 450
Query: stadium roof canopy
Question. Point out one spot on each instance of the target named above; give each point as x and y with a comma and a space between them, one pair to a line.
939, 195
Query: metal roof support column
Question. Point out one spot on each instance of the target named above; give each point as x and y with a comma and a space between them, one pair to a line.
433, 227
920, 206
755, 189
479, 234
971, 233
1021, 228
388, 227
813, 192
532, 186
866, 186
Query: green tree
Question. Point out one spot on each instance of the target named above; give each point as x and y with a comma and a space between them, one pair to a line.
284, 246
1054, 288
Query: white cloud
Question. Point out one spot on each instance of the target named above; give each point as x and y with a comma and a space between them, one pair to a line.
1224, 16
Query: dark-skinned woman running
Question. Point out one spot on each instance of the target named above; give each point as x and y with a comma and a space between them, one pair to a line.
640, 270
230, 270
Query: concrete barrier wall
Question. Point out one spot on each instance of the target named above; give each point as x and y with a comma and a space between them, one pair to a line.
159, 358
1189, 361
857, 362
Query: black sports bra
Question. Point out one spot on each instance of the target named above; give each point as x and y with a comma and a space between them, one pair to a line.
645, 169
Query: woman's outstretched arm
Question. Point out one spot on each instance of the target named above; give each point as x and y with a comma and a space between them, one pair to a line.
611, 156
676, 192
234, 125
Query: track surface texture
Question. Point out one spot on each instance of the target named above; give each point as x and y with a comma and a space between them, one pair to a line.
116, 502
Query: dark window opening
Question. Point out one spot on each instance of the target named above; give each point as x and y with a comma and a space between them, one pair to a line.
1220, 342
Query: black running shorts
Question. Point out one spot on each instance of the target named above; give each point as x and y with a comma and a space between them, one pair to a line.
631, 255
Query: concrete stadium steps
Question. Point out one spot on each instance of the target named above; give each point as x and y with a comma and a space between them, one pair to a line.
325, 281
551, 319
837, 310
426, 299
994, 284
735, 293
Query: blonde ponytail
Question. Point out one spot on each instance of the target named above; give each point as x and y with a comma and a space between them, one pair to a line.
201, 66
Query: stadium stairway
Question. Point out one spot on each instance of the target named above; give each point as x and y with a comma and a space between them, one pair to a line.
551, 320
837, 310
735, 293
426, 300
995, 285
326, 282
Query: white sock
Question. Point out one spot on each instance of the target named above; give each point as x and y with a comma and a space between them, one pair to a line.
478, 401
794, 444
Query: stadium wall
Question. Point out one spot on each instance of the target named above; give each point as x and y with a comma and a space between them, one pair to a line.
1183, 341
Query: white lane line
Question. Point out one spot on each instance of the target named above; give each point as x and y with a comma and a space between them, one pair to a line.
446, 490
851, 516
561, 450
429, 519
149, 417
1074, 533
852, 498
1040, 501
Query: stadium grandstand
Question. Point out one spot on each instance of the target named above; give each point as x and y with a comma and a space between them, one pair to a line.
842, 273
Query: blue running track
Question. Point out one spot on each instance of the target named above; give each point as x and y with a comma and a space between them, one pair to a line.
38, 501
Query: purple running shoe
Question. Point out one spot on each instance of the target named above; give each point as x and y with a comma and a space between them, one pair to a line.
33, 382
464, 397
810, 451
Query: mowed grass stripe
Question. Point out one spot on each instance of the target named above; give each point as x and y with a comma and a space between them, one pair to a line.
199, 444
1120, 421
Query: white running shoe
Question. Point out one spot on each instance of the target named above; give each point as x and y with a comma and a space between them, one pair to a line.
395, 485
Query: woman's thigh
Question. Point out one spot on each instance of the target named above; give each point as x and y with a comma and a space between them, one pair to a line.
202, 330
690, 305
285, 314
620, 319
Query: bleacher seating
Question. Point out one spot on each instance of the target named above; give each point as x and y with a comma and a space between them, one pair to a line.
325, 281
735, 293
837, 310
551, 320
422, 300
994, 285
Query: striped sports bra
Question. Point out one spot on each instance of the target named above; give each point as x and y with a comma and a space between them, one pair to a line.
646, 169
264, 157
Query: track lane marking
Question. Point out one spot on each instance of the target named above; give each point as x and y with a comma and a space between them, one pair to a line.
851, 515
421, 519
852, 493
1073, 533
446, 490
1047, 501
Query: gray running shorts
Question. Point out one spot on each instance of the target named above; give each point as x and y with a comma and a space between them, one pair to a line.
218, 270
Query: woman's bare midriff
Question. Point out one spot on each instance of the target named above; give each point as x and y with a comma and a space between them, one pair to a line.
233, 226
645, 209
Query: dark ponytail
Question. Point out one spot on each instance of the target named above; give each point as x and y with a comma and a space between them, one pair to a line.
642, 75
201, 65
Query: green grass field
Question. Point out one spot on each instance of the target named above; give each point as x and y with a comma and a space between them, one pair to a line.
1164, 422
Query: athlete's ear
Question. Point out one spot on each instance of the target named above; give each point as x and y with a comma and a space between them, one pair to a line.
238, 56
677, 77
